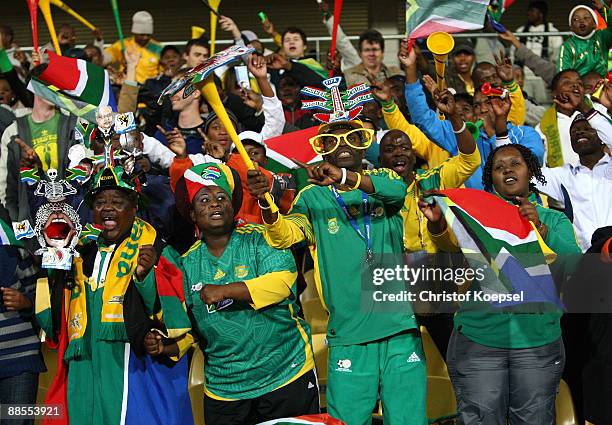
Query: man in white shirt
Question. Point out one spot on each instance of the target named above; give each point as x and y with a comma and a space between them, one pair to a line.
545, 47
569, 97
585, 187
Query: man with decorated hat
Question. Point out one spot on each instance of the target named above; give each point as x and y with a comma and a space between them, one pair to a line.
242, 296
350, 219
102, 315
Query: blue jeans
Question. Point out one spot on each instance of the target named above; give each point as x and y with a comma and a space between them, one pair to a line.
19, 389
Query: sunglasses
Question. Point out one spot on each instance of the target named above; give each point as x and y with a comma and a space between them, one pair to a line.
358, 138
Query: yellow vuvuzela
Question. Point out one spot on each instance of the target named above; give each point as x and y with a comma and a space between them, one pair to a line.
440, 44
70, 11
45, 8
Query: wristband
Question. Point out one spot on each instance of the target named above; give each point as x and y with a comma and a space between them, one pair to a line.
461, 130
387, 105
268, 207
343, 179
358, 183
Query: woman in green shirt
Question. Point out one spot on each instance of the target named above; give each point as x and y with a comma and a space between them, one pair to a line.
506, 365
242, 296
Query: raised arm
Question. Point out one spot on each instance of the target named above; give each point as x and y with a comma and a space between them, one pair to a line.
274, 117
540, 67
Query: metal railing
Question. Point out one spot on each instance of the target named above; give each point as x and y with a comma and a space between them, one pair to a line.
318, 40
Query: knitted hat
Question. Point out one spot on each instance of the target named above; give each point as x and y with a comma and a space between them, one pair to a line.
249, 35
142, 23
208, 174
212, 116
593, 14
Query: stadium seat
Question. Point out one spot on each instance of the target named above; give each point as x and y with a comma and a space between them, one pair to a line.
310, 292
315, 315
564, 406
436, 366
196, 385
319, 346
45, 379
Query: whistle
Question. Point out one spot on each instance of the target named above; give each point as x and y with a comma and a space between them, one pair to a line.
490, 91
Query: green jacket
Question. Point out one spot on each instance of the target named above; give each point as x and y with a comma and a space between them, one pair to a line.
586, 55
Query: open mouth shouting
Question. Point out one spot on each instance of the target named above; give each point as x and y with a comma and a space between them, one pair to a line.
109, 222
59, 230
510, 180
216, 215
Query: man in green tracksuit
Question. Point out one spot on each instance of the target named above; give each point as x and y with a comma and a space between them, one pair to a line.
350, 218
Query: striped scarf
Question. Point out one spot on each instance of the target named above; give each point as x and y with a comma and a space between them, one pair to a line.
550, 128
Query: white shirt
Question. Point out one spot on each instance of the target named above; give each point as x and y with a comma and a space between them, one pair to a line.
564, 122
590, 194
536, 43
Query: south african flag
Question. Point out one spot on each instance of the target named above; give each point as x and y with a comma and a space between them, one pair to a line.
7, 237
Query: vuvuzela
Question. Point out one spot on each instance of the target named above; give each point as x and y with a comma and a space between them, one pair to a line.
45, 8
70, 11
440, 44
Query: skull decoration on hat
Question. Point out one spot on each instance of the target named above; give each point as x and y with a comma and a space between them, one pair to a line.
57, 224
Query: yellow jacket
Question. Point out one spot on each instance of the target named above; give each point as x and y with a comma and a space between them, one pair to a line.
517, 110
148, 66
448, 175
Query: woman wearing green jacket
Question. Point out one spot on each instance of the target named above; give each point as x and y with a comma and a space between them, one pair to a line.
506, 365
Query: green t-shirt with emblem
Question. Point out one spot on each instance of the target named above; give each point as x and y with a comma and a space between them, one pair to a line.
357, 312
248, 352
44, 140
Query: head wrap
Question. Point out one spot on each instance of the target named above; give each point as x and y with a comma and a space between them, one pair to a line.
208, 174
213, 116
